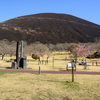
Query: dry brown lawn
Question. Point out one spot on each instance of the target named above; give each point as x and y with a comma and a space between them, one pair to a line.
26, 86
59, 63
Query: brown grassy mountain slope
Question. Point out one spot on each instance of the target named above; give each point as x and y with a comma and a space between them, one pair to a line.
49, 28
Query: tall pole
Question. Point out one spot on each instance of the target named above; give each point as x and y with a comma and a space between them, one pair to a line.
72, 72
39, 69
53, 61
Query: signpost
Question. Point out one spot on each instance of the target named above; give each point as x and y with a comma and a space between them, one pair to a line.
72, 72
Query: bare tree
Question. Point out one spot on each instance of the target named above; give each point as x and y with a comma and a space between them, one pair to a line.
51, 47
40, 48
11, 50
3, 47
28, 49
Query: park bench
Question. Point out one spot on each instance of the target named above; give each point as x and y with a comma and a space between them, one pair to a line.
69, 65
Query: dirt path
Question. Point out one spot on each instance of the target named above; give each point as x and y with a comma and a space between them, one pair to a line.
48, 72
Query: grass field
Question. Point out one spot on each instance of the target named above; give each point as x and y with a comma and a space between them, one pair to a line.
59, 63
26, 86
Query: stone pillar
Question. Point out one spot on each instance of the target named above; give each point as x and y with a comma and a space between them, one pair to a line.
20, 62
19, 53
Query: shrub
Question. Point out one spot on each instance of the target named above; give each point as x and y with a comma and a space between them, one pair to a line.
35, 57
91, 56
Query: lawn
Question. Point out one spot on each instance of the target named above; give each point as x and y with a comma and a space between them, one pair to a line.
26, 86
59, 63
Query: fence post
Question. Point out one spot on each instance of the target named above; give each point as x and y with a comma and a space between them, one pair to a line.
39, 69
96, 63
42, 61
92, 63
53, 61
45, 62
72, 72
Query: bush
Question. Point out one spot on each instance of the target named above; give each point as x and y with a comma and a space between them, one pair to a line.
91, 56
35, 57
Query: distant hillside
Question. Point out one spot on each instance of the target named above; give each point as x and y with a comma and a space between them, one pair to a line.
49, 28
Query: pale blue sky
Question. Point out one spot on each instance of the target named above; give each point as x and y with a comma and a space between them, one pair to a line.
85, 9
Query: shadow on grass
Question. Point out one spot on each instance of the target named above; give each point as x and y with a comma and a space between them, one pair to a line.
8, 68
63, 69
5, 67
8, 61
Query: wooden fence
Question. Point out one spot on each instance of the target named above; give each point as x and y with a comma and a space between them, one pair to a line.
93, 63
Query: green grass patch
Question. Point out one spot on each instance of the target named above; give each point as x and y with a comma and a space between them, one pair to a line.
2, 73
72, 85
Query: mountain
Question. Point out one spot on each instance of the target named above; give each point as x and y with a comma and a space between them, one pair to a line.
49, 28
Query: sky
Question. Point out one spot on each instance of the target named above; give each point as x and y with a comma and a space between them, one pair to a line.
85, 9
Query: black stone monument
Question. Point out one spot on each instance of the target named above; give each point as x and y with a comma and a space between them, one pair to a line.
20, 61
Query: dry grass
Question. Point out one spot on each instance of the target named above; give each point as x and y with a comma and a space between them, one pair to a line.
59, 63
26, 86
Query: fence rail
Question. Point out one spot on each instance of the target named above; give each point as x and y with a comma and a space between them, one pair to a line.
94, 63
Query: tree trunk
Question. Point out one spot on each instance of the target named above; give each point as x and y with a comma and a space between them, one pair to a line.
39, 61
3, 57
66, 57
76, 59
47, 60
10, 55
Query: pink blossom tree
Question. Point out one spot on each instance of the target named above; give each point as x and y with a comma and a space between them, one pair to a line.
37, 55
82, 50
78, 50
72, 47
